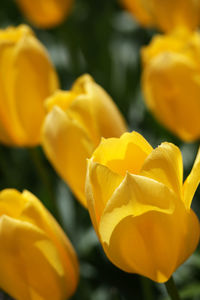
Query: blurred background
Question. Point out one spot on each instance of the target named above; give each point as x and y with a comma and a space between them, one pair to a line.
102, 39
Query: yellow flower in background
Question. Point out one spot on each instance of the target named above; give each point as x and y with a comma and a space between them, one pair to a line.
37, 260
45, 13
76, 121
27, 78
171, 82
140, 207
166, 15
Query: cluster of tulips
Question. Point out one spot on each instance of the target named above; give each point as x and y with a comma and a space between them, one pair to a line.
171, 73
139, 205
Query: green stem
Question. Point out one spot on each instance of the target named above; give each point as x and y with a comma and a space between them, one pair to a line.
50, 203
172, 290
5, 169
147, 288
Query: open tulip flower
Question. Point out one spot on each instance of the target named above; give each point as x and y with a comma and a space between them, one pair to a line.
166, 15
139, 206
76, 121
45, 13
28, 77
37, 261
171, 82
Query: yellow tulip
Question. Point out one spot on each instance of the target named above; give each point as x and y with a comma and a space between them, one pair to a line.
171, 82
43, 13
166, 14
76, 121
37, 260
139, 206
27, 78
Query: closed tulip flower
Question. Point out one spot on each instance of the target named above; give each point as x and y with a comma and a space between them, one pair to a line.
43, 13
166, 15
37, 260
28, 77
171, 82
140, 207
75, 123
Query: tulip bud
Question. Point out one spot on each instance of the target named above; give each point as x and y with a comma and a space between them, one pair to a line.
76, 121
28, 77
166, 15
37, 260
140, 207
45, 14
171, 82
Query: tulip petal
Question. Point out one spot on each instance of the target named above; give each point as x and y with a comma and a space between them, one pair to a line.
82, 110
26, 212
191, 235
22, 91
153, 244
11, 198
192, 181
8, 114
104, 106
134, 197
34, 212
78, 107
165, 165
112, 124
63, 99
45, 14
67, 146
169, 15
22, 274
164, 78
30, 58
125, 154
100, 185
166, 15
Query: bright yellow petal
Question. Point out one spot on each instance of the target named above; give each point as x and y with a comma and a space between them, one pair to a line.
67, 146
34, 74
22, 275
22, 91
153, 244
112, 124
100, 185
168, 81
169, 14
169, 43
13, 133
14, 34
134, 197
124, 154
80, 84
190, 237
192, 181
26, 212
82, 110
78, 107
36, 213
165, 165
11, 203
166, 15
63, 99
